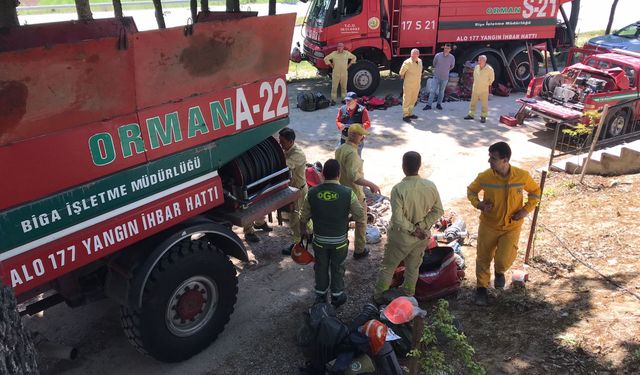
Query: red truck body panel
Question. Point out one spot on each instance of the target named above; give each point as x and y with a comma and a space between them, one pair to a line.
86, 127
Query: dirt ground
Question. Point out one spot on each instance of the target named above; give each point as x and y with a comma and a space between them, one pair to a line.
568, 320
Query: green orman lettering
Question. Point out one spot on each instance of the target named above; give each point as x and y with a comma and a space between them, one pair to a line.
163, 134
102, 149
130, 134
218, 113
196, 122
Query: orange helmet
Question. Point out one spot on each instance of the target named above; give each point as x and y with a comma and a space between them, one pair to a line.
376, 331
301, 255
399, 311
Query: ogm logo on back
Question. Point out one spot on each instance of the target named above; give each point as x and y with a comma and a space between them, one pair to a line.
328, 196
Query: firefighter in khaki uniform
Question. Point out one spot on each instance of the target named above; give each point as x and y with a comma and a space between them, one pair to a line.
411, 73
297, 163
329, 205
502, 213
415, 207
340, 61
483, 77
352, 176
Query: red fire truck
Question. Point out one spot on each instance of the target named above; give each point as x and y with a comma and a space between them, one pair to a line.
127, 156
382, 33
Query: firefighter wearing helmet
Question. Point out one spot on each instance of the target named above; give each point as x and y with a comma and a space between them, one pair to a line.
329, 205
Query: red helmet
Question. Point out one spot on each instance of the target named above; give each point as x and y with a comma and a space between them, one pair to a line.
376, 331
301, 255
399, 311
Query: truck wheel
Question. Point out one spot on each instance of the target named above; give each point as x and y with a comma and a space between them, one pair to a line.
615, 124
520, 65
364, 78
186, 302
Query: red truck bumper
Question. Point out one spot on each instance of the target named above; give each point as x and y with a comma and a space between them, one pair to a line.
549, 111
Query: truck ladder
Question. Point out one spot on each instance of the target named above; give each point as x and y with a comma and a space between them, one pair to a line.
395, 27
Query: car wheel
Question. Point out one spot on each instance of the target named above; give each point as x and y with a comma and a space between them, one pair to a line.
615, 124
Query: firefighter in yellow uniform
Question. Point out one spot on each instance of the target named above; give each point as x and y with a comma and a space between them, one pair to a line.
352, 176
415, 207
411, 73
483, 77
502, 213
297, 163
340, 61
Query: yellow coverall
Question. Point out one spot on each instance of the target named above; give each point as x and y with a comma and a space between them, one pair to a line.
297, 163
411, 73
498, 234
340, 71
351, 171
413, 201
482, 80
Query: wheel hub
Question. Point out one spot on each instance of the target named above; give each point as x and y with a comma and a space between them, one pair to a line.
522, 71
362, 80
191, 305
617, 125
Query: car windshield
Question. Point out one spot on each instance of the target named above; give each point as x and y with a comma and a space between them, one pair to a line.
630, 31
318, 12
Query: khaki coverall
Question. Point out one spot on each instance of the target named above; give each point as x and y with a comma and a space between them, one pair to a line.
297, 163
413, 201
498, 234
482, 80
411, 73
340, 72
351, 171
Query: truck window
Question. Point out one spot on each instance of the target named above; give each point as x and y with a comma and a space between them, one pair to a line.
630, 32
318, 12
352, 8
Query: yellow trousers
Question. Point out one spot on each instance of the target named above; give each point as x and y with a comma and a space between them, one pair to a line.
360, 234
249, 227
338, 78
400, 247
483, 96
409, 98
294, 216
500, 246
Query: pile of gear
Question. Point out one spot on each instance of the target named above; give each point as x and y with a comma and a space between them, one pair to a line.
368, 344
309, 102
377, 207
372, 102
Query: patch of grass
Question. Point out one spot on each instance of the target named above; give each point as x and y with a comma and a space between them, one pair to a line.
549, 192
582, 38
302, 70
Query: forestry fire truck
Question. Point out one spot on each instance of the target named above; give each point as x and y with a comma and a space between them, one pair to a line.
127, 156
382, 33
595, 80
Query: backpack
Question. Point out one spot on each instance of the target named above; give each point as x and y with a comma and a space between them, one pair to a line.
306, 101
321, 101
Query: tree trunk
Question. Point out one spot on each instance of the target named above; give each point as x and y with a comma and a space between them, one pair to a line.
573, 17
17, 353
8, 14
611, 15
84, 10
157, 4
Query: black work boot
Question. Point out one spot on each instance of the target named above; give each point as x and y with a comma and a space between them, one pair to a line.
483, 119
498, 282
321, 298
481, 299
339, 300
251, 237
468, 117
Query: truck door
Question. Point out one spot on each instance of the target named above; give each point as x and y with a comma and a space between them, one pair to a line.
418, 26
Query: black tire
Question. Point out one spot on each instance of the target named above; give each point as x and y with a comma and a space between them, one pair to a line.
364, 78
520, 64
491, 60
615, 124
191, 273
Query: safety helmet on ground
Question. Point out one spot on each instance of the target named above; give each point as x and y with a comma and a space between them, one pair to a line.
301, 255
376, 331
400, 310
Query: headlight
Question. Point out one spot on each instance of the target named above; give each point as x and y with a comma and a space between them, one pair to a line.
318, 54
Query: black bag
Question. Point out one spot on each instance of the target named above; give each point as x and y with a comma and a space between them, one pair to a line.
321, 101
306, 101
387, 362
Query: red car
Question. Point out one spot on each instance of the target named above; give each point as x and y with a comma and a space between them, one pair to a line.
597, 80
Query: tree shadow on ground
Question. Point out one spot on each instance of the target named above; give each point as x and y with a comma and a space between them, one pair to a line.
523, 332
